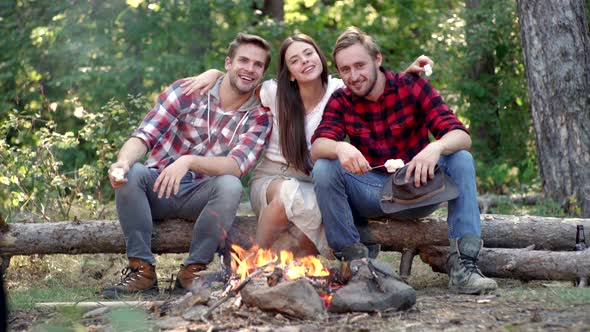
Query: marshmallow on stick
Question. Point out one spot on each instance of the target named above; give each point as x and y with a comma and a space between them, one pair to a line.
393, 165
118, 174
428, 70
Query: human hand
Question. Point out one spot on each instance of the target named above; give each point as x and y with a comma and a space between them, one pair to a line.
117, 172
201, 84
423, 164
418, 66
351, 159
169, 180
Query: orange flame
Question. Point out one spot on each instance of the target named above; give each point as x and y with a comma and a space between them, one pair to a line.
246, 261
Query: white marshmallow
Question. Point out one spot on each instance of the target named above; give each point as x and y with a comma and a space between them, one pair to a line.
428, 70
393, 165
118, 174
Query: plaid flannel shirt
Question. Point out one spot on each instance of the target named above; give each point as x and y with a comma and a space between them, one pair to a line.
396, 126
179, 125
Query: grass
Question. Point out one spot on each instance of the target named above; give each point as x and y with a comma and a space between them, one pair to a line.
25, 299
550, 292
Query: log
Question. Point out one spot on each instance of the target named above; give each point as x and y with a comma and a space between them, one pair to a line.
99, 304
520, 264
174, 236
497, 231
105, 236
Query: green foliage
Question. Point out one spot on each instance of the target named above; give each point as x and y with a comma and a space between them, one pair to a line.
67, 66
492, 95
35, 176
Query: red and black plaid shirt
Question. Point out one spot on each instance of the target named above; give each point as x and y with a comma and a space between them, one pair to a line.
395, 126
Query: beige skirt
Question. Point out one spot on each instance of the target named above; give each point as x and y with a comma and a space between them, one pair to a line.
298, 198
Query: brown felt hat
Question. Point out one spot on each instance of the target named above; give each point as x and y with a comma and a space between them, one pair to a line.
398, 195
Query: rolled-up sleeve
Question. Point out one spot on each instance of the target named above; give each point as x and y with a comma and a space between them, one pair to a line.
253, 139
162, 115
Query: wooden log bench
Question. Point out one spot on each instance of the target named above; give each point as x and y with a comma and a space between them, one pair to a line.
425, 237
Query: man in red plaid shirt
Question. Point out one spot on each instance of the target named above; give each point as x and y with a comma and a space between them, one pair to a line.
386, 116
200, 147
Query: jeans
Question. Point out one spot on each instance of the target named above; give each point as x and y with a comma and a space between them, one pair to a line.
347, 200
211, 201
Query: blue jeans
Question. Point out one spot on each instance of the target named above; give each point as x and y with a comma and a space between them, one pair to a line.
211, 201
347, 200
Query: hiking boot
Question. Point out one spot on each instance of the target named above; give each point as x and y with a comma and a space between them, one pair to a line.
464, 275
137, 278
374, 249
354, 251
187, 276
374, 286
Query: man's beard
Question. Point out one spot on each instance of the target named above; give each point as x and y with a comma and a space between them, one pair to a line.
371, 83
233, 82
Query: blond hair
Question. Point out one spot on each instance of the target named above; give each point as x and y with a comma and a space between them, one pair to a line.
351, 36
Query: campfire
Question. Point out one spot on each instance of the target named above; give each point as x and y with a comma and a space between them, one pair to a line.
302, 288
245, 262
282, 267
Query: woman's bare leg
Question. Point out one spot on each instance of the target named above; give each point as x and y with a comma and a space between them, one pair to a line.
273, 219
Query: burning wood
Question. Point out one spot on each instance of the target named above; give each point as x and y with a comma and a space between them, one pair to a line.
305, 289
275, 277
234, 291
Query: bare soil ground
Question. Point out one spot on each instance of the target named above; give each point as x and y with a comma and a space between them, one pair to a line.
517, 306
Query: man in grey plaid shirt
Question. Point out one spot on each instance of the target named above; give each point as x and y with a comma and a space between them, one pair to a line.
200, 146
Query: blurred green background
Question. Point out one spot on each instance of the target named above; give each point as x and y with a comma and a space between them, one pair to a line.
77, 76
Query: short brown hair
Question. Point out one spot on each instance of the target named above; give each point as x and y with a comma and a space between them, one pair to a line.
353, 35
244, 38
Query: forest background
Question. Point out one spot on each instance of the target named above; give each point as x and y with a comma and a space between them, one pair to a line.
78, 76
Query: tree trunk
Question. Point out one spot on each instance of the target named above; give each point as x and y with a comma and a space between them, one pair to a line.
556, 47
520, 264
174, 236
274, 9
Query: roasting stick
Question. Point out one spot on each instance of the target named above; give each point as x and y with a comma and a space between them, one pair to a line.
376, 167
236, 290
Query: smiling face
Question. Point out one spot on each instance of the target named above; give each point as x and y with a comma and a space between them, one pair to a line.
246, 69
358, 70
303, 62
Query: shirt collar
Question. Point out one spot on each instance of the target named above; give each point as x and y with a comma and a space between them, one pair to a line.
250, 104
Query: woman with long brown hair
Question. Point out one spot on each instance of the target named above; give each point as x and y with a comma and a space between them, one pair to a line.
281, 189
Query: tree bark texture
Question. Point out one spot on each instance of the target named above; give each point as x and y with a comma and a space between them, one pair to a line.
174, 236
520, 264
556, 45
274, 9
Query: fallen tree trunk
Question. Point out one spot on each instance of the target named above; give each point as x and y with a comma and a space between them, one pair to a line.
497, 231
174, 236
520, 264
105, 236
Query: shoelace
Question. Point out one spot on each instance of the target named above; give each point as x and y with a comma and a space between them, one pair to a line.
127, 275
470, 264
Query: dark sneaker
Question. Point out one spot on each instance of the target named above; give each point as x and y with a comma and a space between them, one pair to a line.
187, 276
464, 275
372, 285
137, 278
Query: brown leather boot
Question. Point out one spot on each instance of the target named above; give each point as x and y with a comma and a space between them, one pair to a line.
186, 276
138, 278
